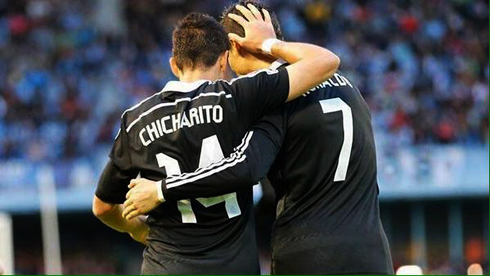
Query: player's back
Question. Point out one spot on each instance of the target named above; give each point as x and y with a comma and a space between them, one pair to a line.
326, 185
185, 127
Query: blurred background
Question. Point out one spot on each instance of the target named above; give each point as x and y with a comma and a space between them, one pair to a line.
68, 69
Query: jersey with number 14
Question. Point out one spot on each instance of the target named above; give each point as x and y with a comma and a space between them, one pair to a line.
185, 127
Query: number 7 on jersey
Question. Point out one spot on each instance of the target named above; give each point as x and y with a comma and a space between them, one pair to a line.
334, 105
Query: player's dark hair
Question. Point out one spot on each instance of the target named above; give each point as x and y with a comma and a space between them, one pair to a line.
198, 40
231, 26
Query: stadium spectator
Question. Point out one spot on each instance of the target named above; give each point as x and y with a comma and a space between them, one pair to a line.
423, 67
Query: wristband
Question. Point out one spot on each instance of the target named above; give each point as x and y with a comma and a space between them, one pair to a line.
159, 191
267, 45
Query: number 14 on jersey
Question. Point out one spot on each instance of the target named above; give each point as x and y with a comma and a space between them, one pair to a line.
210, 152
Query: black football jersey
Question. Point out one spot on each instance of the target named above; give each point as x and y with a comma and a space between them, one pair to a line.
325, 179
185, 127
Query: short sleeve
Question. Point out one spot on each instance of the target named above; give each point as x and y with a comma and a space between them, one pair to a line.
114, 180
121, 151
258, 92
113, 184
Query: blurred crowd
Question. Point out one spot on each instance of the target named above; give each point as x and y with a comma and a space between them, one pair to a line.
68, 69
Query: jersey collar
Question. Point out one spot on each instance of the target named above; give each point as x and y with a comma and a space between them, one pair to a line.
181, 86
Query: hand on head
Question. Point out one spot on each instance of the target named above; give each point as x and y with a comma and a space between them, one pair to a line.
257, 28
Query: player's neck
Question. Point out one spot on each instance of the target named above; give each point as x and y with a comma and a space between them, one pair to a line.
258, 64
199, 74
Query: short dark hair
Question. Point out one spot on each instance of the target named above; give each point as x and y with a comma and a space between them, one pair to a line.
198, 40
231, 26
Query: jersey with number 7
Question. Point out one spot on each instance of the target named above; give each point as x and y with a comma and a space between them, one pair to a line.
185, 127
325, 179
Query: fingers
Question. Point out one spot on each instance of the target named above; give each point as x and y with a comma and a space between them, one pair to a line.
240, 20
127, 203
132, 215
236, 38
267, 16
128, 194
127, 210
130, 211
132, 184
246, 13
255, 12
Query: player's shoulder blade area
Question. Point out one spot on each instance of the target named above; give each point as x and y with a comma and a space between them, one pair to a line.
172, 97
337, 82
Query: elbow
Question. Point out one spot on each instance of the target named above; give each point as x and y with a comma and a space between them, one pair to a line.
101, 208
331, 64
336, 61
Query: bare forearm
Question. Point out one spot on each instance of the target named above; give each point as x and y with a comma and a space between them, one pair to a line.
115, 220
293, 52
111, 215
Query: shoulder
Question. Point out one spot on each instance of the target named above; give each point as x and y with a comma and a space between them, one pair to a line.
335, 83
180, 91
248, 77
131, 114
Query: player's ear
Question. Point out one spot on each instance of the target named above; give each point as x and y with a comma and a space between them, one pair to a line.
223, 61
173, 66
239, 50
234, 47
